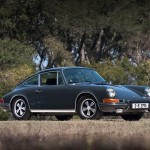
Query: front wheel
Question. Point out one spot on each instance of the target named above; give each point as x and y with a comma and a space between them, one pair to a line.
132, 117
63, 117
20, 109
87, 109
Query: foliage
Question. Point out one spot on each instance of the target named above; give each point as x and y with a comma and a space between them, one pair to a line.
3, 115
14, 53
15, 60
143, 73
124, 72
11, 77
24, 19
30, 20
57, 52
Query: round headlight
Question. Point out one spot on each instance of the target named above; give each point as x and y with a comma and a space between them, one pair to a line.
111, 92
147, 91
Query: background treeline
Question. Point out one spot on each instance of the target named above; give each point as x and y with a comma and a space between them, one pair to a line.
112, 36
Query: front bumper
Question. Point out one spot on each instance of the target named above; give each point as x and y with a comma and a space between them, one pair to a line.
120, 108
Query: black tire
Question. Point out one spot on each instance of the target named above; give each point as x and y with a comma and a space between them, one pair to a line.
20, 109
63, 117
87, 109
132, 117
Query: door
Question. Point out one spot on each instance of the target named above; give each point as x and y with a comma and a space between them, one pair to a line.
53, 93
30, 87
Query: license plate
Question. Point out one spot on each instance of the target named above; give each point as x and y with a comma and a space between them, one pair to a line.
140, 105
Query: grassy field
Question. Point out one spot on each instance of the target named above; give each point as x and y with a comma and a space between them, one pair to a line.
75, 134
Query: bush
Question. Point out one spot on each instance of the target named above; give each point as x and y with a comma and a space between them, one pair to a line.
3, 115
14, 53
9, 78
143, 73
123, 72
15, 60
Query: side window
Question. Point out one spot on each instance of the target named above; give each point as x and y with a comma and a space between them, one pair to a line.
49, 78
32, 81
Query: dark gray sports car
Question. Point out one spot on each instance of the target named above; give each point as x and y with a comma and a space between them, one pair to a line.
67, 91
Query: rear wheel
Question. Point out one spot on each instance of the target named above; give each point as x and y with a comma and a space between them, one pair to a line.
20, 109
63, 117
87, 109
132, 117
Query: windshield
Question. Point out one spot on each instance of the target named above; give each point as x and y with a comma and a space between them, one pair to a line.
79, 75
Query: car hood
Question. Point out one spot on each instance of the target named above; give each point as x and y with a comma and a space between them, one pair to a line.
128, 94
124, 93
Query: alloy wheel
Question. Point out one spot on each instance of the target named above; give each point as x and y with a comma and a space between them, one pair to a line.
88, 108
20, 108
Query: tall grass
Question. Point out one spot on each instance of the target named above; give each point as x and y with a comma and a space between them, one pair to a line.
75, 134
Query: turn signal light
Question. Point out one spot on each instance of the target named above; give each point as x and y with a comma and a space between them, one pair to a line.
1, 101
110, 100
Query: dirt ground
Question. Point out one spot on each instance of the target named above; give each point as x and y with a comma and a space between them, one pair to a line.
75, 134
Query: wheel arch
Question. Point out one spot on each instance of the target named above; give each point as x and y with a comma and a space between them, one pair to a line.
84, 94
18, 96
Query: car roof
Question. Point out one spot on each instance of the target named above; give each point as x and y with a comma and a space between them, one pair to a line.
54, 69
63, 68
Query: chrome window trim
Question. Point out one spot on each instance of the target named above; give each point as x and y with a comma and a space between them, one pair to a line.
39, 80
57, 78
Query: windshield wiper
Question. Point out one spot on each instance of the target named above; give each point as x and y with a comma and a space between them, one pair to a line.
102, 83
73, 82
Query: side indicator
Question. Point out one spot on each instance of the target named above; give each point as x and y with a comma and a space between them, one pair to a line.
110, 100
